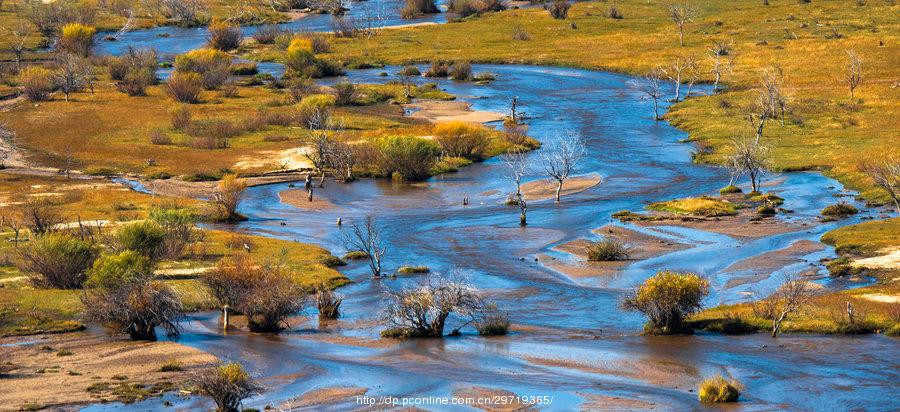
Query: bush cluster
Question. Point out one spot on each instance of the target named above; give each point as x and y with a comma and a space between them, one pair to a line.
666, 299
212, 65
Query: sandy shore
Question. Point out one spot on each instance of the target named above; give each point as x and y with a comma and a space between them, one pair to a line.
98, 366
641, 246
543, 189
298, 198
490, 394
439, 111
199, 190
289, 159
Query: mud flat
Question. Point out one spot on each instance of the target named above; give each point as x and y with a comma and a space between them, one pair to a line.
55, 371
298, 198
744, 224
439, 111
641, 246
544, 189
201, 190
490, 394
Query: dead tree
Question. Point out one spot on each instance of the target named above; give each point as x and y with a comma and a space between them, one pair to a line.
19, 38
719, 66
769, 101
751, 158
365, 237
853, 72
790, 297
73, 73
523, 210
678, 69
343, 158
423, 311
561, 158
681, 14
515, 162
651, 86
319, 153
886, 175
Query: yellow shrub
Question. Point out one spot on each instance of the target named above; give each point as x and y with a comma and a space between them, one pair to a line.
666, 299
717, 389
299, 57
76, 38
211, 64
461, 139
318, 101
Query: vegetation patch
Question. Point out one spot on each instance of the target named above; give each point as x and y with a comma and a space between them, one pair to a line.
696, 206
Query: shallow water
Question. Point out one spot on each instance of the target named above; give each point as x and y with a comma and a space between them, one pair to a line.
572, 340
171, 40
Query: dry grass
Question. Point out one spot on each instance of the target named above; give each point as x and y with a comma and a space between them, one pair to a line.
865, 238
696, 206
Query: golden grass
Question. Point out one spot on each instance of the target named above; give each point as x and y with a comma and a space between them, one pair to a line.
824, 130
696, 206
865, 238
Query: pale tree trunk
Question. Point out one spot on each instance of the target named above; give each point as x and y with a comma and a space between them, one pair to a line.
559, 184
681, 35
656, 109
776, 323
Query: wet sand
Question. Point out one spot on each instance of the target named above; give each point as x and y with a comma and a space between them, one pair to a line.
440, 111
543, 189
43, 377
741, 225
777, 259
298, 198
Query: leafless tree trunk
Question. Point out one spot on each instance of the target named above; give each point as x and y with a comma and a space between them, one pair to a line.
680, 14
343, 159
523, 210
515, 161
561, 158
769, 101
793, 294
751, 158
651, 86
886, 175
366, 237
853, 72
19, 36
678, 69
73, 73
720, 65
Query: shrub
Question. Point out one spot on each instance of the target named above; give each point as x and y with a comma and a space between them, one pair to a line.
136, 306
438, 68
717, 389
356, 255
328, 302
171, 365
228, 195
666, 299
461, 139
228, 384
519, 33
160, 138
57, 261
407, 157
607, 250
181, 116
319, 43
224, 35
558, 9
110, 270
184, 87
135, 82
613, 12
134, 71
839, 209
730, 189
230, 280
410, 71
492, 322
416, 8
766, 210
843, 266
178, 224
460, 71
484, 77
212, 65
423, 311
465, 8
344, 93
299, 58
36, 82
145, 237
76, 38
244, 69
267, 34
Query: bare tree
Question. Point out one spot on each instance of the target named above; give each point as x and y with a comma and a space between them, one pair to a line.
769, 101
343, 158
886, 175
561, 158
365, 237
680, 14
790, 297
319, 153
19, 38
515, 162
678, 69
651, 86
423, 311
73, 73
719, 66
749, 157
523, 210
853, 72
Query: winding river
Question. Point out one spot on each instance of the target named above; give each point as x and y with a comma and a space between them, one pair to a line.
571, 342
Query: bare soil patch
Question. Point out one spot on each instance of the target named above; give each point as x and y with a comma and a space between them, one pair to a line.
889, 259
201, 190
326, 396
298, 198
777, 259
80, 368
743, 225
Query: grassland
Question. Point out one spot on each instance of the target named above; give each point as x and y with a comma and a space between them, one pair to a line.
824, 128
865, 239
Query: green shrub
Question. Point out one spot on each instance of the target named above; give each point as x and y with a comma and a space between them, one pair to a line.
769, 199
171, 365
299, 58
111, 271
461, 71
729, 190
410, 71
839, 210
145, 237
407, 157
244, 69
178, 224
344, 93
843, 266
607, 250
717, 389
57, 260
558, 9
766, 210
438, 68
666, 299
